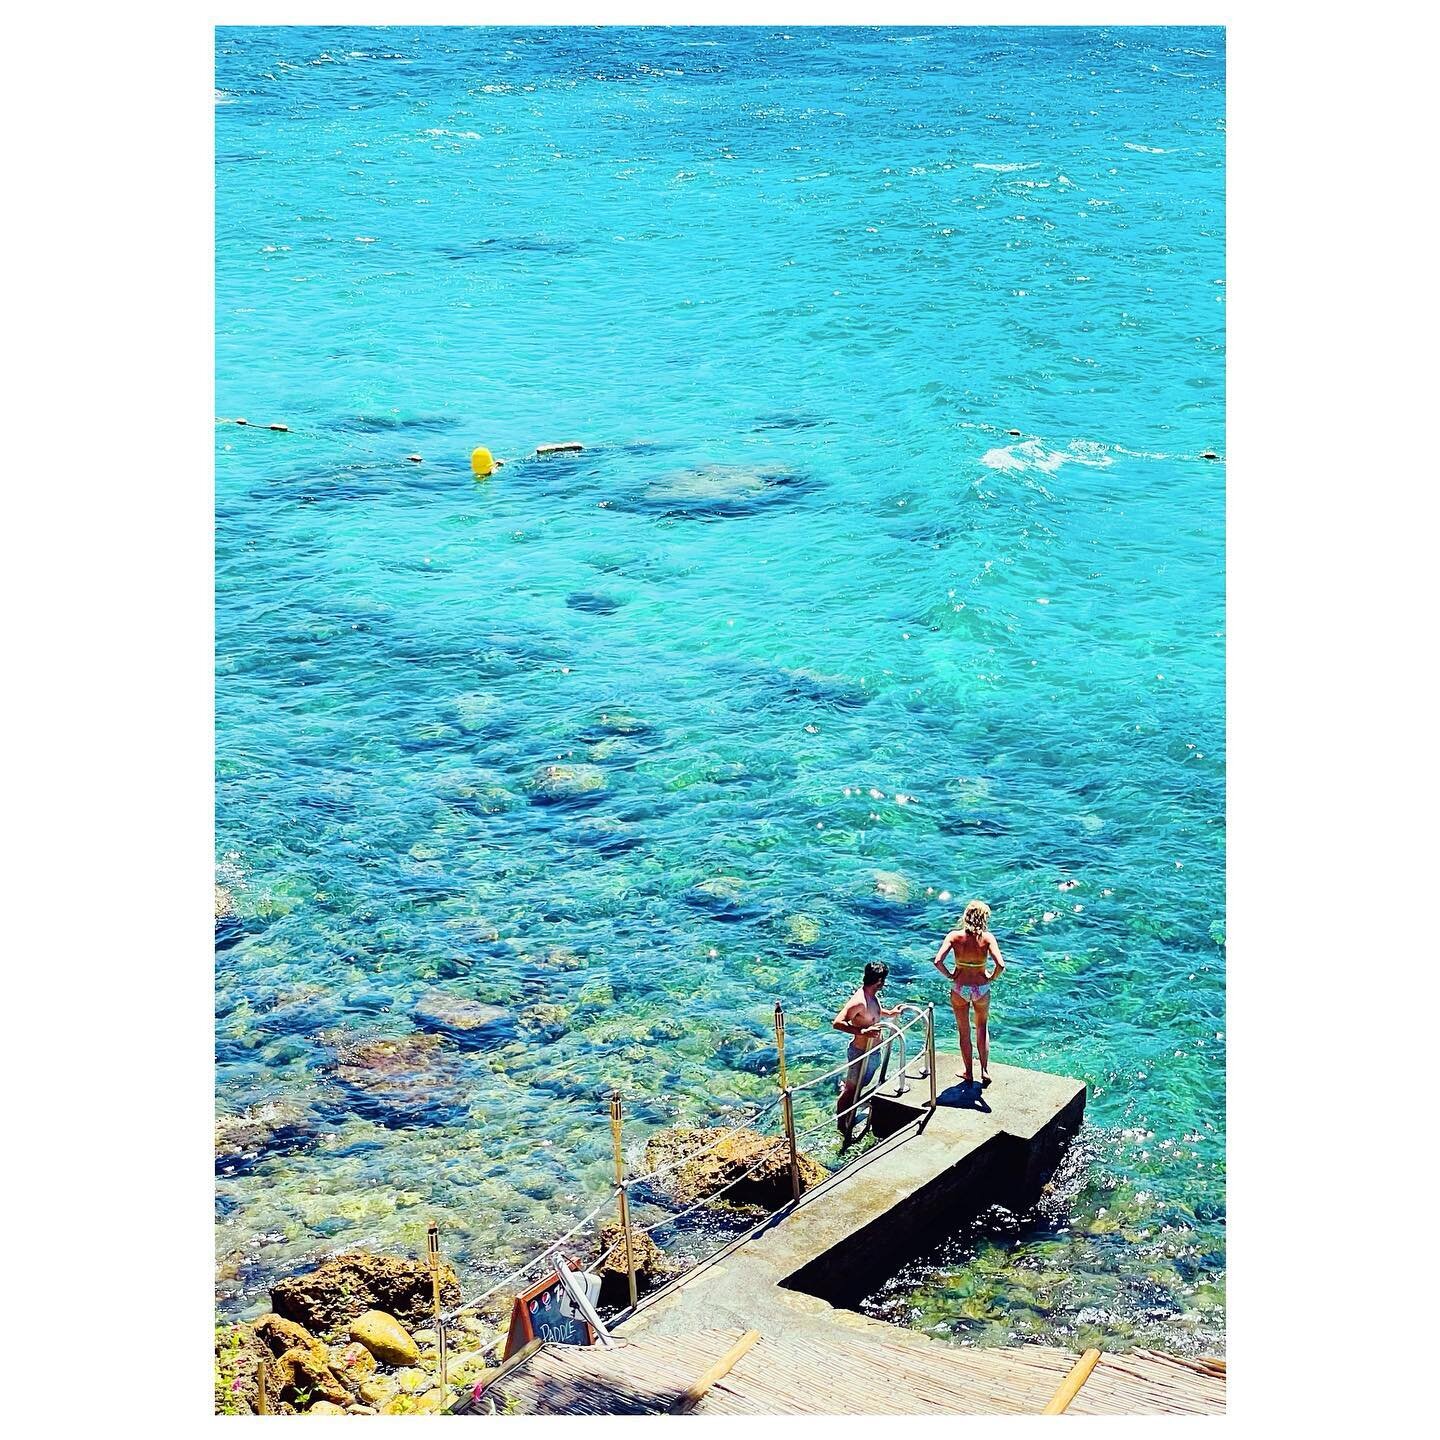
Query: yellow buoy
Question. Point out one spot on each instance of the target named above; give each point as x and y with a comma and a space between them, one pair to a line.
482, 462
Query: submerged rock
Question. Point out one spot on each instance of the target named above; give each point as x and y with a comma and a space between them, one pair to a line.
892, 886
465, 1019
715, 492
748, 1053
274, 1127
801, 930
967, 826
476, 795
722, 896
385, 1338
345, 1287
409, 1080
840, 692
545, 1021
229, 927
718, 891
593, 602
725, 1164
889, 896
558, 784
606, 835
613, 725
477, 711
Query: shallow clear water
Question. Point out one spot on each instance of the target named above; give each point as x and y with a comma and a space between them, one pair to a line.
805, 603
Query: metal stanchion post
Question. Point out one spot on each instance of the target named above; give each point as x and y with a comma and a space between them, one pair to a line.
787, 1104
262, 1400
432, 1242
622, 1191
930, 1052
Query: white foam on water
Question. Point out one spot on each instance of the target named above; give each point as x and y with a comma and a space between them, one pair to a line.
1031, 455
1006, 168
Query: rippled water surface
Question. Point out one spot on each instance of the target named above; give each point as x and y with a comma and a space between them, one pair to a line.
890, 554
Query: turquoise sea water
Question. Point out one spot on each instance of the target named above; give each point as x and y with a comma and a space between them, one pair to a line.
808, 606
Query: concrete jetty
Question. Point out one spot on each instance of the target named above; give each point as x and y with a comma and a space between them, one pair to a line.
793, 1278
851, 1233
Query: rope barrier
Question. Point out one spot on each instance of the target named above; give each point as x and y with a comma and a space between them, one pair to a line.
896, 1032
528, 1266
471, 1305
830, 1120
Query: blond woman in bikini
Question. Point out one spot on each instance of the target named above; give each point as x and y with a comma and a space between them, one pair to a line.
972, 947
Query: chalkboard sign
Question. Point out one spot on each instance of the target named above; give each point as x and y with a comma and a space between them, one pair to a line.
546, 1312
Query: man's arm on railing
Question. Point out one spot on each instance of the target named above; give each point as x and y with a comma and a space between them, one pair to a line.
844, 1020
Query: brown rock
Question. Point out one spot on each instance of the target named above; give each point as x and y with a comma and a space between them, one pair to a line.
334, 1294
727, 1162
426, 1404
353, 1363
651, 1266
412, 1380
305, 1378
324, 1407
240, 1354
385, 1338
380, 1391
280, 1335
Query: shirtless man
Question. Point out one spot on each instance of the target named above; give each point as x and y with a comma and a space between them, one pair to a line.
860, 1018
972, 946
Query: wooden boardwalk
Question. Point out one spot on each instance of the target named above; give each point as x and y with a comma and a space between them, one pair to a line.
874, 1370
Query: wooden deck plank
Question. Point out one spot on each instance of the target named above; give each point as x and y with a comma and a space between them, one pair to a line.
863, 1373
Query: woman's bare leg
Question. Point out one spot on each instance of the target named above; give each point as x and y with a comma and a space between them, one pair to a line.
982, 1037
962, 1024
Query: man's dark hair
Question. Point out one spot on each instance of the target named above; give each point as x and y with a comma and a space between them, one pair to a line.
875, 972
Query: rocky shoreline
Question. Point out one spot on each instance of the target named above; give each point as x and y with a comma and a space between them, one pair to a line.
356, 1336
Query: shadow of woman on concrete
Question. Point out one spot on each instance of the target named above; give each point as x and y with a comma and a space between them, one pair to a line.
965, 1096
